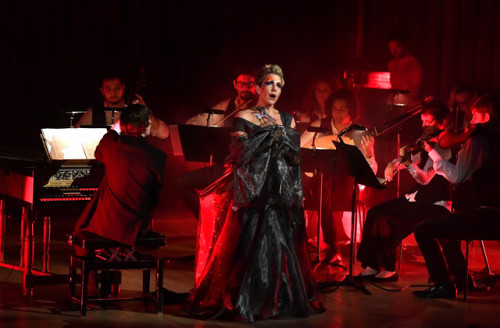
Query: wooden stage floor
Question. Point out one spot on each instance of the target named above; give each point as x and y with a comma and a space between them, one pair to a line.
390, 304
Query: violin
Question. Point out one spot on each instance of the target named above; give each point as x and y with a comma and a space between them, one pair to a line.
444, 139
449, 139
430, 135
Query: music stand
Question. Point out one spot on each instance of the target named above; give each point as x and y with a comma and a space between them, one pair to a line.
204, 144
72, 116
322, 161
362, 174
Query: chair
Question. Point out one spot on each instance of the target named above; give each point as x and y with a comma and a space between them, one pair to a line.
117, 257
486, 262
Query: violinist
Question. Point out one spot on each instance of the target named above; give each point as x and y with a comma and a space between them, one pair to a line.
479, 162
388, 223
460, 100
190, 183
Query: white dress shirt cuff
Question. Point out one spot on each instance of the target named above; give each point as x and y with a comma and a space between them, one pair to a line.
116, 127
435, 156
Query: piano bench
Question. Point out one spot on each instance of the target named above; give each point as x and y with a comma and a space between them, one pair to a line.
113, 256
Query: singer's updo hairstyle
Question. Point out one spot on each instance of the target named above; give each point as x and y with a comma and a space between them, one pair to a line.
267, 69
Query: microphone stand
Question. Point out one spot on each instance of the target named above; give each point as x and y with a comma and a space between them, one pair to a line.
320, 193
210, 112
320, 204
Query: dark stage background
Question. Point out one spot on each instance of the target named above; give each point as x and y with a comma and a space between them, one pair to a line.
54, 52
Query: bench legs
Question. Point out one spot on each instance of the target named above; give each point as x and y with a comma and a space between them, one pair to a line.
159, 287
86, 267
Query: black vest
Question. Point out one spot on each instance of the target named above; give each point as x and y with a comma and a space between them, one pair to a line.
486, 180
98, 116
436, 190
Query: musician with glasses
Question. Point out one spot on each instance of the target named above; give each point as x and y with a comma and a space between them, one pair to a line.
188, 183
388, 223
245, 98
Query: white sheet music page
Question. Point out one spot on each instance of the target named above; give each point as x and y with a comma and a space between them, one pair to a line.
72, 143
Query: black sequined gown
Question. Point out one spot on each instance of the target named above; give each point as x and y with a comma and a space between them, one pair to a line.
253, 262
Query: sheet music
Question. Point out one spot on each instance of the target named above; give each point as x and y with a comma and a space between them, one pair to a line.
72, 143
90, 140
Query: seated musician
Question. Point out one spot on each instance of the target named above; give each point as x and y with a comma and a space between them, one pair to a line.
388, 223
478, 162
314, 102
188, 184
113, 92
120, 209
245, 98
336, 197
460, 101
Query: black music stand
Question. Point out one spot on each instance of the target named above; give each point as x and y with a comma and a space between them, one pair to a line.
362, 174
204, 144
322, 161
72, 116
211, 111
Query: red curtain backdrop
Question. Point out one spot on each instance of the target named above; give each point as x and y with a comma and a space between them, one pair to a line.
54, 52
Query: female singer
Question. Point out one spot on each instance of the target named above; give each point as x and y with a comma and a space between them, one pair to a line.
256, 265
